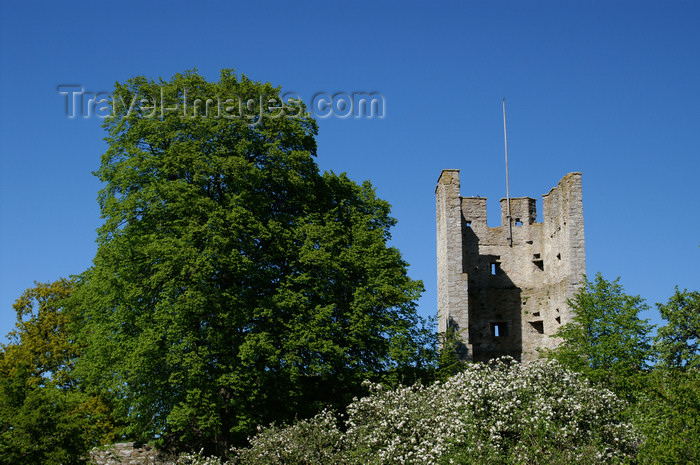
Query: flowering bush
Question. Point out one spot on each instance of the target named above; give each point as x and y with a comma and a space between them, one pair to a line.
198, 459
316, 441
504, 412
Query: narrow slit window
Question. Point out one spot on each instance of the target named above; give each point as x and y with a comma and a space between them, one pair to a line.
518, 222
499, 330
494, 269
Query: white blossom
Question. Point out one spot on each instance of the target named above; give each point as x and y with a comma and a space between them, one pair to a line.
515, 413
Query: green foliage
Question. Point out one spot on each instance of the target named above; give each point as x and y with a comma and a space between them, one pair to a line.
668, 409
667, 414
44, 417
314, 441
41, 337
678, 343
499, 413
606, 340
609, 343
233, 283
449, 362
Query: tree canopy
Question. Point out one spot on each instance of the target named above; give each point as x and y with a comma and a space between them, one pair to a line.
44, 417
234, 284
678, 342
606, 337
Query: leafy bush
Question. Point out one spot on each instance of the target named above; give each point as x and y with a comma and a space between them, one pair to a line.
316, 441
668, 415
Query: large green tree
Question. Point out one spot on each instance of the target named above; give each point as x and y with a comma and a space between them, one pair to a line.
234, 284
677, 343
606, 339
44, 416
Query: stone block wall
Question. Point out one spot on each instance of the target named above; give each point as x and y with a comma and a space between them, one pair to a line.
128, 453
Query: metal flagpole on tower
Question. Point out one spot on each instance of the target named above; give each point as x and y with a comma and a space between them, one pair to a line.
505, 138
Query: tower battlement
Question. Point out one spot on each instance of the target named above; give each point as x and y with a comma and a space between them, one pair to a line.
508, 296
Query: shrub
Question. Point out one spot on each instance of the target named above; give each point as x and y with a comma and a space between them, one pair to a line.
315, 441
503, 412
668, 415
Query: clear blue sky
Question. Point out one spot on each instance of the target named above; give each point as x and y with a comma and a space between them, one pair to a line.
608, 88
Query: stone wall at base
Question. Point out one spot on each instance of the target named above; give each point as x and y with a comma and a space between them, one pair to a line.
128, 453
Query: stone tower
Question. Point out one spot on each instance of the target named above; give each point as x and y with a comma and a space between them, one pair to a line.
506, 296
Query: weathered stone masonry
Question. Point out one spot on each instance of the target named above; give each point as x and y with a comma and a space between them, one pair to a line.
508, 299
128, 453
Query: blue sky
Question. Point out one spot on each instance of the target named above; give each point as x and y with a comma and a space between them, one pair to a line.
608, 88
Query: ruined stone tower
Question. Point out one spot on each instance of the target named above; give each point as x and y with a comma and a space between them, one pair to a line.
503, 296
